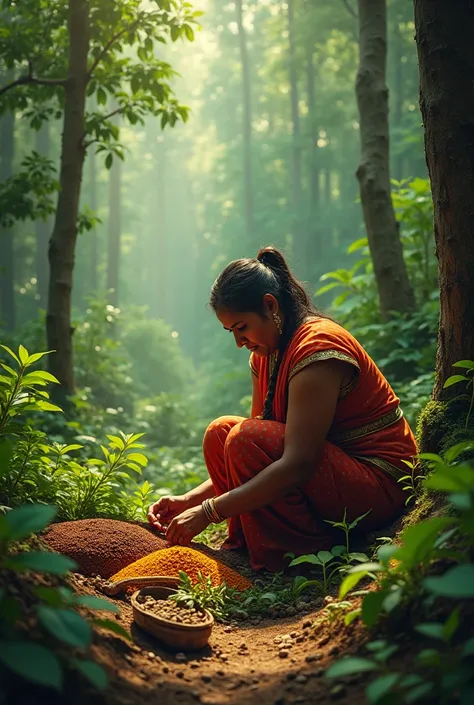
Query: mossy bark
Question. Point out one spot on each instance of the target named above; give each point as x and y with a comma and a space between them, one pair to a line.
442, 424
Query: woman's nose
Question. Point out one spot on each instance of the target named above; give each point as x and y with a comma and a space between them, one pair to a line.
240, 340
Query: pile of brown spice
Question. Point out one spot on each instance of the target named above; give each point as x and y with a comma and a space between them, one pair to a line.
102, 546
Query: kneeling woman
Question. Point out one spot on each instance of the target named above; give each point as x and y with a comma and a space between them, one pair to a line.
326, 432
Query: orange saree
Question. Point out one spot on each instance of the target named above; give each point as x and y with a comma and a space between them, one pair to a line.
362, 458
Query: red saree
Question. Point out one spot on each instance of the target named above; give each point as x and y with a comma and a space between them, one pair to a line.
361, 461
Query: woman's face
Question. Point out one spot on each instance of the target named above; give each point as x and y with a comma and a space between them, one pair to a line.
254, 331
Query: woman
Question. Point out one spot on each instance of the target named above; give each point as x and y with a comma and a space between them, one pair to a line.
326, 431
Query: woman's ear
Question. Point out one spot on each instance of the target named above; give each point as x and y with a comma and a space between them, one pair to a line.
271, 305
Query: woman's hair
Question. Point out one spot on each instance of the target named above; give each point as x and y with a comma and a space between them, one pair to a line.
241, 286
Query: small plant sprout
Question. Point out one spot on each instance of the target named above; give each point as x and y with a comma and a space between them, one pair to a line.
413, 481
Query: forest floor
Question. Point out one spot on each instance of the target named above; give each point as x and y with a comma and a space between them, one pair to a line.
272, 661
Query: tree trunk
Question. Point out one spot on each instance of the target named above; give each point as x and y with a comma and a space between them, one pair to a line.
63, 240
94, 245
43, 229
7, 263
246, 125
444, 37
315, 239
394, 288
113, 248
399, 85
299, 243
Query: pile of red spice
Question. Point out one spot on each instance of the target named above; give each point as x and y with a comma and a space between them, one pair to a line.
102, 546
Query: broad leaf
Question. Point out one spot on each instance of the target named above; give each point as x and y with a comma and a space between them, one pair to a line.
349, 665
29, 519
66, 625
34, 662
456, 582
40, 561
94, 673
372, 607
97, 603
382, 685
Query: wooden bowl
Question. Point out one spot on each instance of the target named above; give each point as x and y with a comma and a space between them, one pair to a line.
185, 637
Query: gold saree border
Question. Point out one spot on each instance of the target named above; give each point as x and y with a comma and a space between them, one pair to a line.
254, 371
328, 355
378, 425
384, 465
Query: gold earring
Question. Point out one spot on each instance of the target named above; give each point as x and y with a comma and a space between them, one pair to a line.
277, 320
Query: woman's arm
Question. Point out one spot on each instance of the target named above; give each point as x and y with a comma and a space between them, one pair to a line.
312, 401
198, 494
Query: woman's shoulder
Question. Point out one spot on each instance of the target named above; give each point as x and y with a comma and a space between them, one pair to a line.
321, 338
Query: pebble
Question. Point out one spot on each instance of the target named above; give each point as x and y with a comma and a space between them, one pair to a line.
228, 630
255, 686
143, 675
294, 635
151, 655
194, 664
196, 694
301, 679
166, 669
307, 623
243, 645
283, 653
323, 641
313, 657
179, 674
333, 651
299, 639
181, 658
206, 678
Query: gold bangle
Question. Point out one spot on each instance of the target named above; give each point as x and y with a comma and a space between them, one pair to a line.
218, 517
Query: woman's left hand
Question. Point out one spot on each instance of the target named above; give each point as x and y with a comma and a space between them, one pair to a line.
183, 528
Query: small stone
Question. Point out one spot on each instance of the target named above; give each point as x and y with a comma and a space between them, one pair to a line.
283, 653
223, 657
294, 635
290, 676
307, 623
243, 645
206, 678
313, 657
196, 694
166, 669
255, 680
194, 664
323, 641
220, 673
319, 672
228, 630
333, 651
143, 675
290, 611
151, 655
128, 658
299, 639
255, 686
301, 679
301, 606
277, 639
337, 692
181, 658
327, 600
179, 674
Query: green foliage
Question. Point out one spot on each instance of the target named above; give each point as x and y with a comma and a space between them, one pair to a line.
29, 193
204, 595
41, 654
468, 379
157, 362
169, 420
433, 560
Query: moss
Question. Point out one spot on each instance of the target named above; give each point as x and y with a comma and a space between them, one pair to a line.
428, 504
441, 424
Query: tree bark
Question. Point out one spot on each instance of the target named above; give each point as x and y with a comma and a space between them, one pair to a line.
394, 287
7, 260
246, 124
299, 239
63, 241
444, 37
114, 235
43, 229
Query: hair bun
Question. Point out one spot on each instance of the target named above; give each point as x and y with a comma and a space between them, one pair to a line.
272, 258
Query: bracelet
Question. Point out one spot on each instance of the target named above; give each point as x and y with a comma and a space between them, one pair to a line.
209, 509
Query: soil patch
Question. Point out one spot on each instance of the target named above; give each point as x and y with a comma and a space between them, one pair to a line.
102, 546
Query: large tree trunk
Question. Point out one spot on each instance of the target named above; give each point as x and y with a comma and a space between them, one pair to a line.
63, 241
444, 37
394, 288
7, 264
314, 235
299, 238
114, 236
43, 229
246, 125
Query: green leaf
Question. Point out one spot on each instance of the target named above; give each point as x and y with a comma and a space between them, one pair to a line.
434, 630
47, 406
418, 540
451, 625
325, 557
468, 648
49, 595
465, 364
454, 379
137, 458
42, 375
94, 673
351, 616
381, 686
455, 451
37, 356
372, 607
66, 625
349, 583
6, 453
418, 692
354, 523
307, 558
10, 352
112, 626
33, 662
41, 561
26, 520
349, 665
23, 355
456, 582
109, 160
97, 603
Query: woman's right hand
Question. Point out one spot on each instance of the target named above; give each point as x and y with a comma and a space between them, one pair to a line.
161, 513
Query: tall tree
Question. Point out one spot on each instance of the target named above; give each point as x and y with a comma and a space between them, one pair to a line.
98, 37
114, 233
394, 287
299, 241
93, 235
7, 262
444, 35
42, 228
246, 122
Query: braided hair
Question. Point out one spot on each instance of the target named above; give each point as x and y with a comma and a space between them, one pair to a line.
241, 287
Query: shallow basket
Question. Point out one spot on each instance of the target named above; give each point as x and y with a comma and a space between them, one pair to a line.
186, 637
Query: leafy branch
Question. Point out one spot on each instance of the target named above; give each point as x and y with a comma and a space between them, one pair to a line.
30, 79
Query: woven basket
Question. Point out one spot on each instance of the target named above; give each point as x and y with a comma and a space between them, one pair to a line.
186, 637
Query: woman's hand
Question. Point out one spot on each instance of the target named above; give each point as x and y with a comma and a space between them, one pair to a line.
161, 513
186, 526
